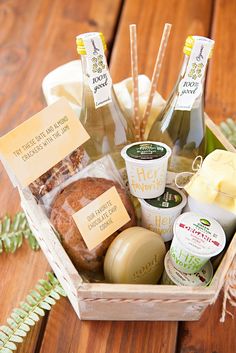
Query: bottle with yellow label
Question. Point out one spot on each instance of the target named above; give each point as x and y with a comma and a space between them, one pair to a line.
181, 123
109, 129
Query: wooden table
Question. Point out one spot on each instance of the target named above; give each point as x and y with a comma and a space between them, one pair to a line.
35, 37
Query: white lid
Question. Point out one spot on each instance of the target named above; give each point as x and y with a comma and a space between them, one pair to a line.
172, 199
199, 279
146, 152
200, 235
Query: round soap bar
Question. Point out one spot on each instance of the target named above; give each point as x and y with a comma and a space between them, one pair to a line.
135, 256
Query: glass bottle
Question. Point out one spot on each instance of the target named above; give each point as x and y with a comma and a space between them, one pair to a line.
109, 129
181, 123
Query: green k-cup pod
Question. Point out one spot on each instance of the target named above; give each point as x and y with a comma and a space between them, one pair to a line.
146, 151
146, 164
160, 213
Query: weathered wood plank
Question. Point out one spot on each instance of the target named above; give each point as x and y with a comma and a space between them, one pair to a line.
101, 337
221, 82
19, 273
36, 36
35, 41
209, 335
187, 17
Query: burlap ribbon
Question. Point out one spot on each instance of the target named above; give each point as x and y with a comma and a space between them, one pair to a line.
229, 290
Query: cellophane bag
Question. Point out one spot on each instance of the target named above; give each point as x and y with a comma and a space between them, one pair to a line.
65, 192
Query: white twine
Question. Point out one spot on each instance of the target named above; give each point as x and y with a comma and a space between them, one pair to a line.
182, 179
229, 291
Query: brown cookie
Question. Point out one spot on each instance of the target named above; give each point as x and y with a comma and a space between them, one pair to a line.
59, 173
74, 197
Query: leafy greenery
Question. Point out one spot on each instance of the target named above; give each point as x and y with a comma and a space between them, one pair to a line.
228, 127
12, 233
22, 319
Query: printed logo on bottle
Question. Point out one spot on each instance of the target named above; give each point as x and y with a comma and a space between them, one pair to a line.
99, 78
190, 87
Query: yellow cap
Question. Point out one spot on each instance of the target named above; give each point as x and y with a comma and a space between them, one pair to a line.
189, 43
80, 41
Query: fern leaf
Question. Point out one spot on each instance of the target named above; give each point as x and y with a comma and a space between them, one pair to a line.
3, 336
21, 320
25, 306
16, 339
20, 333
54, 295
20, 312
12, 233
5, 350
6, 330
11, 323
41, 289
11, 346
34, 317
45, 306
45, 284
50, 300
228, 127
60, 291
35, 295
29, 322
24, 327
39, 311
16, 317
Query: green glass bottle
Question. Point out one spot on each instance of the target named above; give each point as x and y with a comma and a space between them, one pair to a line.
181, 123
109, 129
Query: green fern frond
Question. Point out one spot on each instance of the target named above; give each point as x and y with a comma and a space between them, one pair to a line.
23, 318
12, 233
228, 127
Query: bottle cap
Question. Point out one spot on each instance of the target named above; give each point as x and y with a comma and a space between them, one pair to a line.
80, 41
189, 43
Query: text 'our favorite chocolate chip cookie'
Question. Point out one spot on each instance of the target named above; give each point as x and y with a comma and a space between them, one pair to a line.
73, 198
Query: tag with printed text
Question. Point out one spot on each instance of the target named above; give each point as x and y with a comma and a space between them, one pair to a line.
41, 142
101, 218
99, 77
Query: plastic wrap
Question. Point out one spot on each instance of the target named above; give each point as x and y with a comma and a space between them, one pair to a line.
62, 171
74, 193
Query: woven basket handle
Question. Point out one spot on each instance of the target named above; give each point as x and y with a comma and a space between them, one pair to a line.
229, 290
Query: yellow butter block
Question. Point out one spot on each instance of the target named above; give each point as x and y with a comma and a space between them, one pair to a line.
216, 180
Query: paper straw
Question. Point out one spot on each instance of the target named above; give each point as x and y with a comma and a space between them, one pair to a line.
134, 68
155, 76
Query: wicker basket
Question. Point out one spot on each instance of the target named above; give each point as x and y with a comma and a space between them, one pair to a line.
101, 301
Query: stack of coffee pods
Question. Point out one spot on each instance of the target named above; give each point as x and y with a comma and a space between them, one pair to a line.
146, 164
196, 238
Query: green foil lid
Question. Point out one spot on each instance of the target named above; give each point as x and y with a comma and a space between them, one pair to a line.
146, 151
170, 198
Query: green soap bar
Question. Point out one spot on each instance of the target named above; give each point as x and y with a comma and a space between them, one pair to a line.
135, 256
